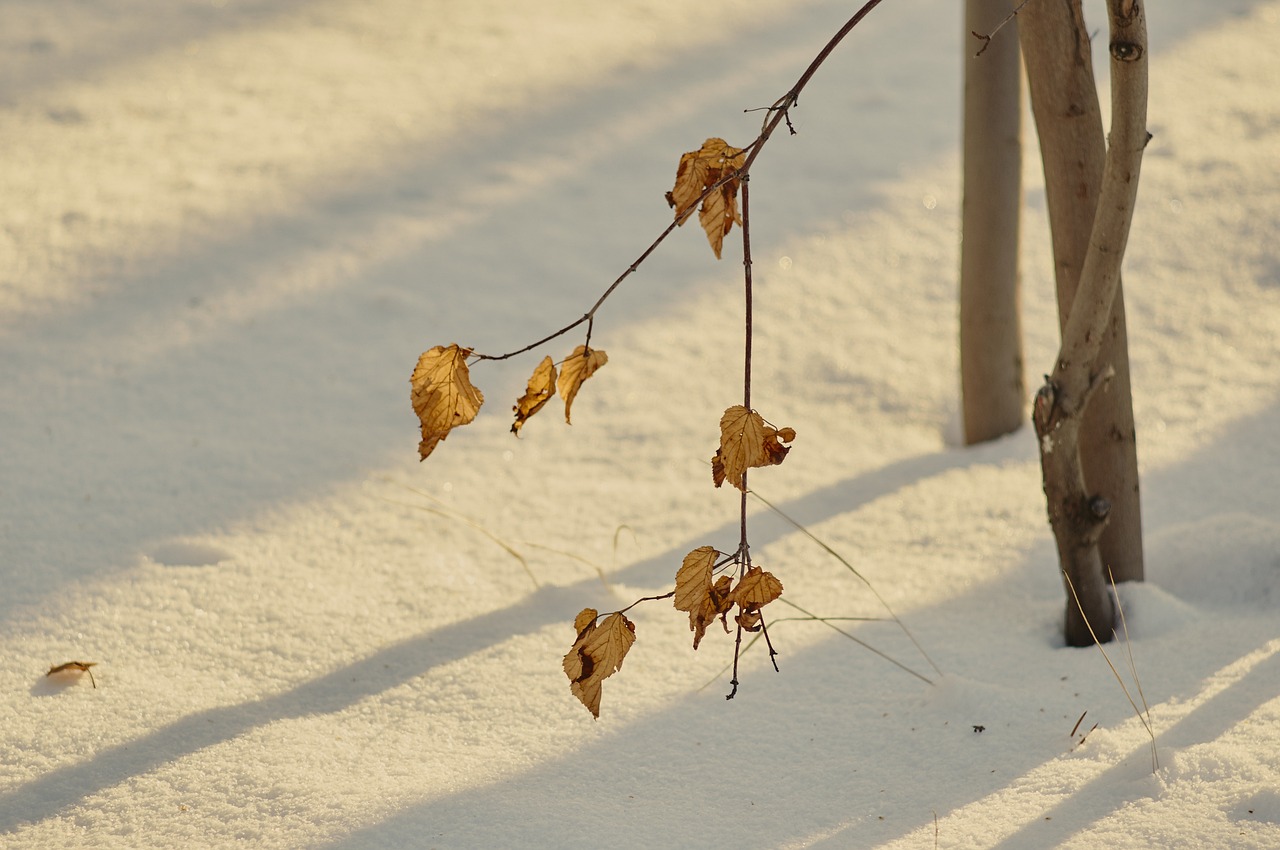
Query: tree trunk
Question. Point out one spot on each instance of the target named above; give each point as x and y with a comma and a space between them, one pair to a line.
993, 393
1089, 459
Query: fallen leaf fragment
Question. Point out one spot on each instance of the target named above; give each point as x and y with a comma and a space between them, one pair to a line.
756, 589
699, 170
597, 654
575, 369
75, 668
542, 386
442, 394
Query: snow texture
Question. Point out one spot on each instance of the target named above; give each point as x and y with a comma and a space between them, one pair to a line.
230, 228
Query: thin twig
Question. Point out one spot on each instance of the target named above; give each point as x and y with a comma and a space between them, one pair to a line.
737, 653
773, 653
746, 356
667, 595
780, 112
986, 39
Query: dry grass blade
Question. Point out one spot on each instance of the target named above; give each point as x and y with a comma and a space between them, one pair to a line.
833, 553
454, 515
1155, 760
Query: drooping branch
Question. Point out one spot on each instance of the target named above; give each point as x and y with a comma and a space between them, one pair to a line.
1077, 516
779, 112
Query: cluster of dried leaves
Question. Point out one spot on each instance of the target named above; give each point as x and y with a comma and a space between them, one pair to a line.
706, 600
444, 397
747, 441
599, 650
705, 169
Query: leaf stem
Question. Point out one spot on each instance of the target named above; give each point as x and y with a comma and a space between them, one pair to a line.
746, 356
646, 599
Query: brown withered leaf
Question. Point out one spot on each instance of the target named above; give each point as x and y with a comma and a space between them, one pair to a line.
597, 654
696, 594
717, 469
749, 621
756, 589
542, 386
693, 579
442, 394
716, 604
75, 668
741, 445
698, 170
775, 453
746, 442
575, 369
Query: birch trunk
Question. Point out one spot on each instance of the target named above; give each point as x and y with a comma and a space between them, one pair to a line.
1089, 460
993, 392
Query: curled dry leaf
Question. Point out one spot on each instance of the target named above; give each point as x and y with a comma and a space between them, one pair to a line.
575, 369
774, 452
442, 394
696, 594
756, 589
699, 170
745, 442
597, 654
542, 386
75, 668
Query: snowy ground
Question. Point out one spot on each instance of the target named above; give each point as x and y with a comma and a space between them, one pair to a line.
229, 229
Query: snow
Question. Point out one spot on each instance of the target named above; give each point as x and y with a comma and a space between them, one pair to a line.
230, 228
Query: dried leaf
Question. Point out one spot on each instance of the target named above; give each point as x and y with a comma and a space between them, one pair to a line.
749, 621
597, 654
586, 617
717, 469
717, 604
775, 453
75, 668
698, 170
542, 386
756, 589
575, 369
696, 594
693, 579
442, 393
741, 444
746, 442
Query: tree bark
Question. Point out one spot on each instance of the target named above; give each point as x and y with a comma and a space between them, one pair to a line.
993, 392
1081, 499
1064, 101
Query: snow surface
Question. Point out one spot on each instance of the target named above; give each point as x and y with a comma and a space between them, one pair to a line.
229, 229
